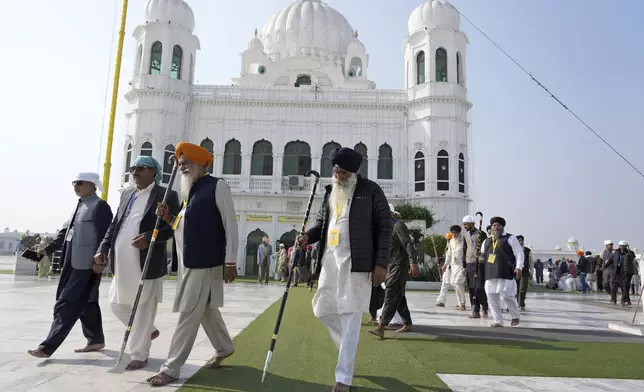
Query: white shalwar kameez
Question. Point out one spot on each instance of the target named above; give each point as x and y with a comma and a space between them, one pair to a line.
200, 293
504, 289
454, 275
125, 284
342, 295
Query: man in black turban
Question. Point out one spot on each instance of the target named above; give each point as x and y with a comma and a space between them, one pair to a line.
504, 259
354, 231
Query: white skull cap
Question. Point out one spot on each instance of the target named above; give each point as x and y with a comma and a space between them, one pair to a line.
468, 219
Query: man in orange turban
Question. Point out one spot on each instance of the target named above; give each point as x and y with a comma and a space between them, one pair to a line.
194, 153
206, 238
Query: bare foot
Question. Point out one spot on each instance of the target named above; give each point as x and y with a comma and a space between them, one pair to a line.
155, 334
37, 353
160, 379
215, 362
377, 332
90, 347
136, 365
339, 387
372, 322
405, 328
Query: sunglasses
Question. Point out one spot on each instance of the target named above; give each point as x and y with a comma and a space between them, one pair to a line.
134, 169
80, 183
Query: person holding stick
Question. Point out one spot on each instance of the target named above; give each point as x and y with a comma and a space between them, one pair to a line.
205, 232
127, 242
475, 268
354, 230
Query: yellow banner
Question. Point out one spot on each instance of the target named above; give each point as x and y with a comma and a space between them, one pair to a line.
259, 218
290, 219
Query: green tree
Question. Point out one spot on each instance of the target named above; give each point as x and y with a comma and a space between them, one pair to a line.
427, 245
417, 212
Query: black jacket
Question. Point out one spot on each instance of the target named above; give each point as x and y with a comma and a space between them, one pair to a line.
626, 268
370, 227
158, 261
582, 265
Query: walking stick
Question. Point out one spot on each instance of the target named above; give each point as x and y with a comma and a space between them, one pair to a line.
438, 261
280, 314
478, 248
146, 265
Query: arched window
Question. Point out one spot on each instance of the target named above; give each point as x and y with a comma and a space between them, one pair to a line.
461, 173
253, 241
210, 146
459, 68
177, 61
167, 164
262, 160
419, 172
146, 149
420, 68
441, 65
364, 166
442, 171
297, 158
303, 80
326, 170
155, 59
385, 163
232, 157
128, 161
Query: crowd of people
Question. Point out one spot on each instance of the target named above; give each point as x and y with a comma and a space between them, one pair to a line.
357, 247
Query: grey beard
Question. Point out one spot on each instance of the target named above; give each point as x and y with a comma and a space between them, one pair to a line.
341, 190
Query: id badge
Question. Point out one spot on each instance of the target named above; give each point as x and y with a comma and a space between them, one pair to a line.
70, 234
177, 220
491, 258
334, 237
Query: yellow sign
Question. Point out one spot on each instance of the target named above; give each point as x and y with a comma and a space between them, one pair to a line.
259, 218
290, 219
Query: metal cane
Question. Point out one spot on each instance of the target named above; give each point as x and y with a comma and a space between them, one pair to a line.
280, 314
478, 247
639, 299
146, 265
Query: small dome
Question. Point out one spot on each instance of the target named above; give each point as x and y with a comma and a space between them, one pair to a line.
356, 46
176, 12
557, 247
307, 27
434, 13
572, 240
256, 43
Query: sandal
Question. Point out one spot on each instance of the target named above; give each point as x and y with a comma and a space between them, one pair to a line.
215, 362
160, 379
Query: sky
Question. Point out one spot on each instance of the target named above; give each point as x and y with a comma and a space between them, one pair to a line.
534, 163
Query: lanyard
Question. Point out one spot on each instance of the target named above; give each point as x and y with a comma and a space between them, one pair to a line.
338, 209
495, 242
133, 198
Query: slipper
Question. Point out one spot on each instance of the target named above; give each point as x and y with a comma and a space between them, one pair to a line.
378, 333
160, 379
38, 354
136, 365
215, 362
90, 347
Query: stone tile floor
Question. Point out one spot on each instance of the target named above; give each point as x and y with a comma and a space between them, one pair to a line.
26, 308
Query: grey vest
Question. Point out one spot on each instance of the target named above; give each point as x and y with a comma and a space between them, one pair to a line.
84, 241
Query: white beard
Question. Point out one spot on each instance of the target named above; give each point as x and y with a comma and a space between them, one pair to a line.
341, 190
185, 184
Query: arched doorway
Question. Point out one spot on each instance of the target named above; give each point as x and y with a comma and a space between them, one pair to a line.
252, 244
288, 239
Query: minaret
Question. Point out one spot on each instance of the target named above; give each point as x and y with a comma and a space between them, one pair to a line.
438, 130
162, 78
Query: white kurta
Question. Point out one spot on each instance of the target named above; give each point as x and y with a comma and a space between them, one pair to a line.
340, 290
455, 274
127, 258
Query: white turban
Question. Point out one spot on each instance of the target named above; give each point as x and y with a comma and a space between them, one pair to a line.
94, 178
468, 219
608, 242
622, 243
393, 210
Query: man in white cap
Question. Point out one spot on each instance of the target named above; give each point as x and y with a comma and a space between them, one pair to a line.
403, 263
77, 294
475, 268
605, 273
622, 265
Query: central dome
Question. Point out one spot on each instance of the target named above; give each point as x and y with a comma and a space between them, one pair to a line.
307, 28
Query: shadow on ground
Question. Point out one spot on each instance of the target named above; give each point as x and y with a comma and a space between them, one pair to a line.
248, 379
518, 334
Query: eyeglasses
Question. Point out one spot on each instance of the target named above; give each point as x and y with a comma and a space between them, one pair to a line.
138, 168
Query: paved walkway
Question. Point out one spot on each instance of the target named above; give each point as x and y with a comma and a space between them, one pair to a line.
26, 308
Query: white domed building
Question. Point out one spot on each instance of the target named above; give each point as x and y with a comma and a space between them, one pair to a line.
303, 90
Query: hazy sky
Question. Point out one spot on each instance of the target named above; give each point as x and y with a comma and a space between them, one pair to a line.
534, 163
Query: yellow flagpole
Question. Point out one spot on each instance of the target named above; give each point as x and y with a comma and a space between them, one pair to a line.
115, 92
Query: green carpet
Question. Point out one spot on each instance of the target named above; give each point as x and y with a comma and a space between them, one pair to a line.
305, 358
